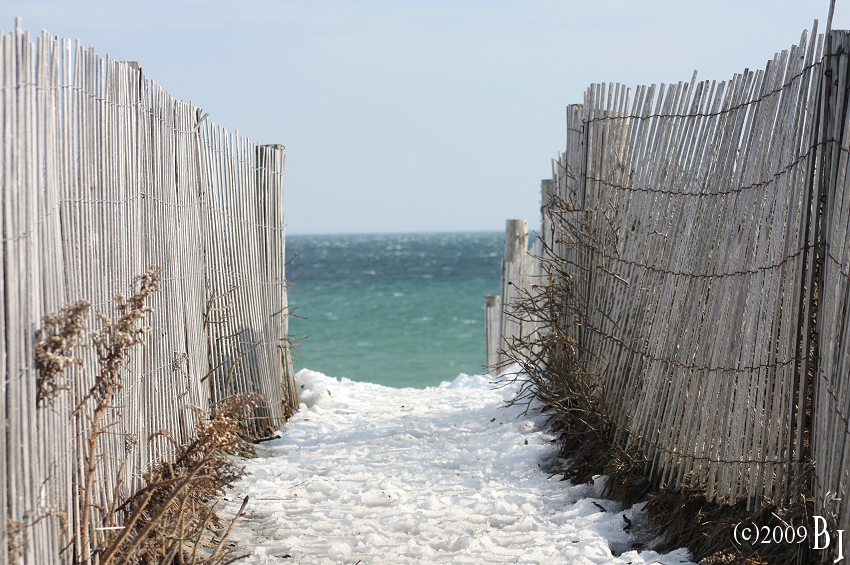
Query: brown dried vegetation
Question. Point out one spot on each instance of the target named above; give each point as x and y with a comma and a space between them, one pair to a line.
172, 519
54, 343
686, 519
113, 343
555, 369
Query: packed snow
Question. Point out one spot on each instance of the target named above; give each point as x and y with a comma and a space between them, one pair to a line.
369, 474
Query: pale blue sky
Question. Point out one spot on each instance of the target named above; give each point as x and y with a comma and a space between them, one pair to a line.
406, 116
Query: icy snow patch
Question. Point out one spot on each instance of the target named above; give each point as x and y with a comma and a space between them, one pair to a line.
370, 474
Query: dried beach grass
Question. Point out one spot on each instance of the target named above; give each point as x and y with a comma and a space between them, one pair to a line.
54, 342
555, 370
113, 343
627, 480
173, 518
684, 518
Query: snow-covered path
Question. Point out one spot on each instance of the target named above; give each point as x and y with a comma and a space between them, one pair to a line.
369, 474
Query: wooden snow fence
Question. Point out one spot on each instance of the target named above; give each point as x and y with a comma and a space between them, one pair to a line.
105, 175
520, 270
711, 248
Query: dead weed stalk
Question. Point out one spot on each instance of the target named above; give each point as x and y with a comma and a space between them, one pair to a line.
113, 343
555, 370
54, 343
171, 519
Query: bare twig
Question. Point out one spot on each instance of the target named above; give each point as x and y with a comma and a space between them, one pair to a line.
229, 528
233, 366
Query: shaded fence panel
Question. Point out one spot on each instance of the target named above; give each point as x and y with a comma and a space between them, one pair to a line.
104, 175
705, 225
830, 315
693, 237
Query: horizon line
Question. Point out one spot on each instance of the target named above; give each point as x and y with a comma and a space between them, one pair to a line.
395, 233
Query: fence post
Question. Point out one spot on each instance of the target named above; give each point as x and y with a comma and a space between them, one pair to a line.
270, 164
824, 349
516, 246
548, 188
516, 240
492, 330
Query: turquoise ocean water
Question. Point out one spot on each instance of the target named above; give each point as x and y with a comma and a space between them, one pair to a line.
397, 310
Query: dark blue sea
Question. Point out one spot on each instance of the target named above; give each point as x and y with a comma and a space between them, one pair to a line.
402, 310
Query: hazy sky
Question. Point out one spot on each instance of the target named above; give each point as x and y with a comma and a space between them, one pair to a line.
412, 116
